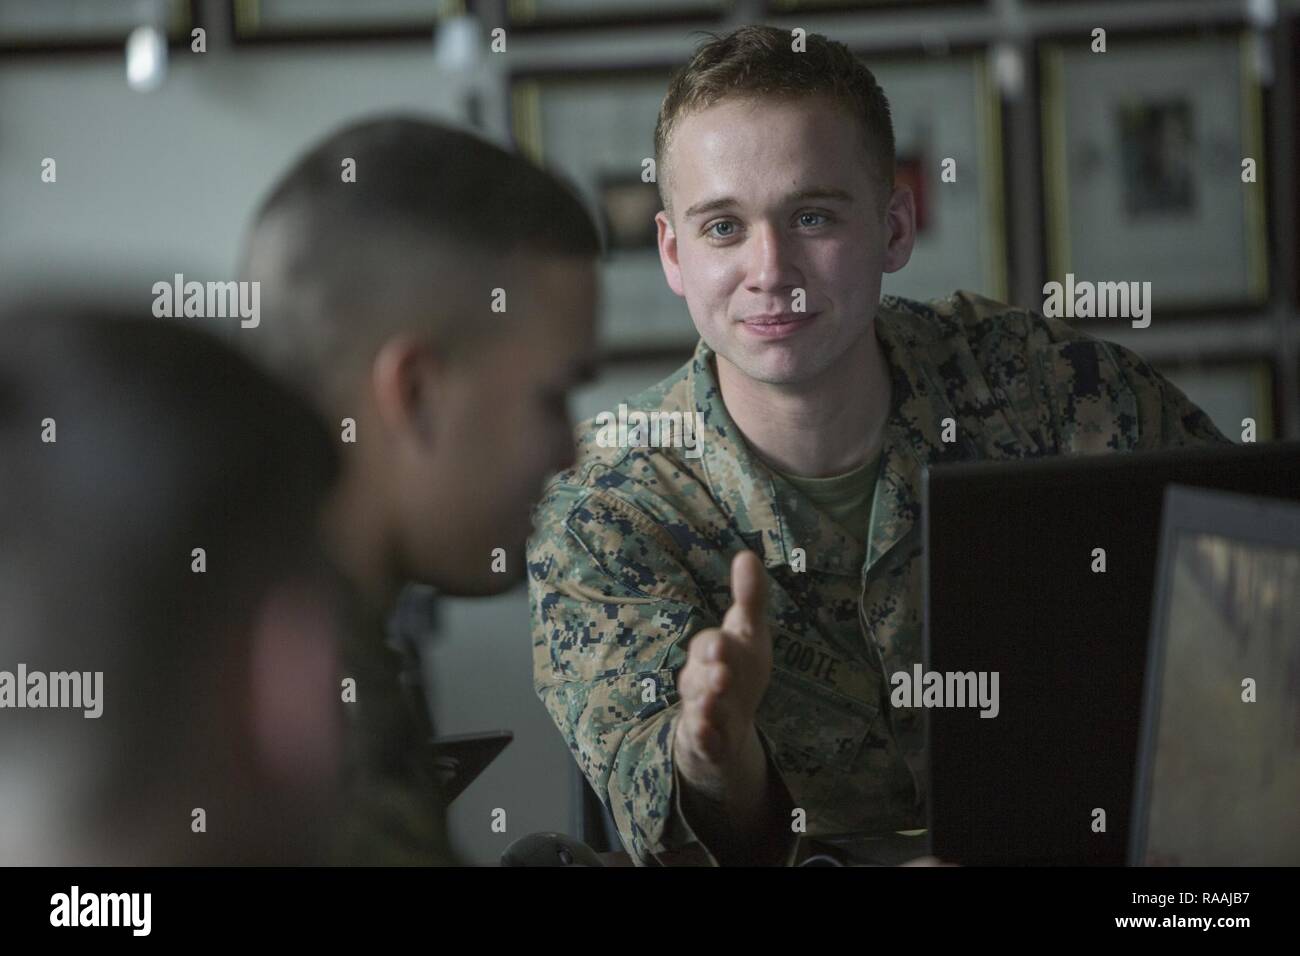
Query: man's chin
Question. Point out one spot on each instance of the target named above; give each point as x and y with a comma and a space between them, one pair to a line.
485, 585
776, 362
788, 369
498, 571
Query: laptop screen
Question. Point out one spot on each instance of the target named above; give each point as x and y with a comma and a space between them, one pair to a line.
1219, 769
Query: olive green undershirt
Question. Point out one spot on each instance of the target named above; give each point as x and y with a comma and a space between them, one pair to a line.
845, 499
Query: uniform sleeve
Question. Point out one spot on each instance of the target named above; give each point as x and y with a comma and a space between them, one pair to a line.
1098, 396
612, 609
1166, 417
393, 813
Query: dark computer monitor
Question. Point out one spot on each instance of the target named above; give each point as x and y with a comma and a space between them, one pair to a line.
1008, 586
1218, 774
458, 759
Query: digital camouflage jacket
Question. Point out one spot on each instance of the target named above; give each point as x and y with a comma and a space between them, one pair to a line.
632, 550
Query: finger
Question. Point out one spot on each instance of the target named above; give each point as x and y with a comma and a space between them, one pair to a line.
723, 648
700, 678
714, 694
717, 678
705, 646
711, 742
707, 686
702, 734
689, 681
747, 615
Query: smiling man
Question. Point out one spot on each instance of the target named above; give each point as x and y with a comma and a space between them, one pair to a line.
714, 635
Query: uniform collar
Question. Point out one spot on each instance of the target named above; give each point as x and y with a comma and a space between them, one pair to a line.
774, 517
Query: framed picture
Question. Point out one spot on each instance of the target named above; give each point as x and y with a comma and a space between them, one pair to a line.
1230, 390
948, 149
775, 7
255, 21
597, 129
571, 14
1294, 264
628, 205
1145, 149
42, 26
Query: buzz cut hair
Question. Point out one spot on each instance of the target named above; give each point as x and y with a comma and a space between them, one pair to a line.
375, 231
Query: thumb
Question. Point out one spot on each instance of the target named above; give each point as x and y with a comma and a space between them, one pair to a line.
748, 612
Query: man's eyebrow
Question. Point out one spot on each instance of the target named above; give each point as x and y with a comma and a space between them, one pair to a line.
700, 208
816, 192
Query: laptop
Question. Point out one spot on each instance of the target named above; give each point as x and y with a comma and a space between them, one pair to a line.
1218, 773
1013, 584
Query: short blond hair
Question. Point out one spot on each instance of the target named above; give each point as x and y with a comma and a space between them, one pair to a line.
757, 61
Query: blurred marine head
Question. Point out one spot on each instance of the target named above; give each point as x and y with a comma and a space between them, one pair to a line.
439, 293
168, 631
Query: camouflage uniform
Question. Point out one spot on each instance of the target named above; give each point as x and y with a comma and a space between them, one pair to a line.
632, 553
392, 811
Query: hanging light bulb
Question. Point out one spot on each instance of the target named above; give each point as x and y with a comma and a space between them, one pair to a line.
458, 46
1009, 69
1262, 16
146, 59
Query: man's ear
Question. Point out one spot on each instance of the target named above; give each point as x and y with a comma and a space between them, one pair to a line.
404, 373
900, 223
668, 252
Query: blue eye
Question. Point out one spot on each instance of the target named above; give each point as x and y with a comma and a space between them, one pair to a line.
726, 228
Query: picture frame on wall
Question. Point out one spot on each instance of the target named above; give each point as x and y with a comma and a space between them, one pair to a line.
947, 108
1295, 145
596, 128
39, 26
574, 14
777, 7
1143, 167
1230, 389
628, 205
254, 21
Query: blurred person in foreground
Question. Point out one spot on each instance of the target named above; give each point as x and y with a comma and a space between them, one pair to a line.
160, 704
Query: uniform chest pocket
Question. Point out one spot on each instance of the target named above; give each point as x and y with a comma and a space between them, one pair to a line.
811, 725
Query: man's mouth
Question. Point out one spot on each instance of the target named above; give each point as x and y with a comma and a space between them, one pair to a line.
778, 323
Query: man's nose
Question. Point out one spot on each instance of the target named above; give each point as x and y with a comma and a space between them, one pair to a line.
771, 266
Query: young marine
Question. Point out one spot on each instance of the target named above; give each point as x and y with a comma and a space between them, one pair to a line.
437, 310
714, 634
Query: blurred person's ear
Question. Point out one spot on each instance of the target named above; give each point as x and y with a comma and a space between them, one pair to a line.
405, 377
295, 673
